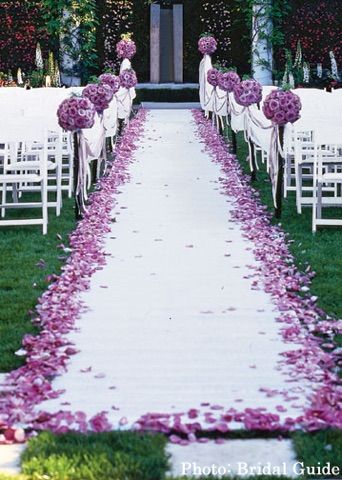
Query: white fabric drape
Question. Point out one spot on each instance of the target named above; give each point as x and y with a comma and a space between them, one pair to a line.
124, 96
206, 90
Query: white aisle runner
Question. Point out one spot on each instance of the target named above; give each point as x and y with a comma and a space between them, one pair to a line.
172, 320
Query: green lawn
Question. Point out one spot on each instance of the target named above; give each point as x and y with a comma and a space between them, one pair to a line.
115, 455
21, 280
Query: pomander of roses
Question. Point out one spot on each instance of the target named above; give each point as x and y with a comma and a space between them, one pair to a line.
76, 113
126, 48
128, 78
207, 45
228, 80
282, 107
112, 80
99, 94
213, 76
248, 92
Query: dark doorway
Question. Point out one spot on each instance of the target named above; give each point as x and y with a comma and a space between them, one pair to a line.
166, 46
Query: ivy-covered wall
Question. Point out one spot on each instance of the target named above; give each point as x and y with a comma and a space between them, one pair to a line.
21, 27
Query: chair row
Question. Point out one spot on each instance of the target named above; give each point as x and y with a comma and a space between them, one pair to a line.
33, 159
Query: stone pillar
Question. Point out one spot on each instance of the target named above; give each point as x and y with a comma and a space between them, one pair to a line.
178, 42
155, 44
70, 68
262, 51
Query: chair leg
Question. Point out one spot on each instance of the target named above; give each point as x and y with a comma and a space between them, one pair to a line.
45, 205
71, 176
298, 169
59, 199
314, 207
319, 200
4, 199
15, 193
288, 175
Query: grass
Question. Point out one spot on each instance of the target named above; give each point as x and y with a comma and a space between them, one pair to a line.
21, 280
323, 447
137, 456
321, 250
110, 456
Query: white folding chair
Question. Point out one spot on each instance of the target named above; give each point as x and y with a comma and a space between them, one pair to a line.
303, 162
304, 158
327, 171
54, 158
17, 169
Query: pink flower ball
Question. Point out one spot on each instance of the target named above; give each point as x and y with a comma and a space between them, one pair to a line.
248, 92
282, 107
213, 77
128, 78
112, 80
207, 45
228, 80
99, 94
126, 49
76, 113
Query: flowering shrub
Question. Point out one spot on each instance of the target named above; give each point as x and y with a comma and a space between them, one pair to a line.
213, 77
207, 45
126, 48
282, 107
248, 92
100, 95
20, 30
112, 80
317, 24
128, 78
76, 113
228, 80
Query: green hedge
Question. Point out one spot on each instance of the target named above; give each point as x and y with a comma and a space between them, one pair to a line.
167, 95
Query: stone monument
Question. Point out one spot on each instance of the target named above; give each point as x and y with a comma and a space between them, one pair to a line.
166, 48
